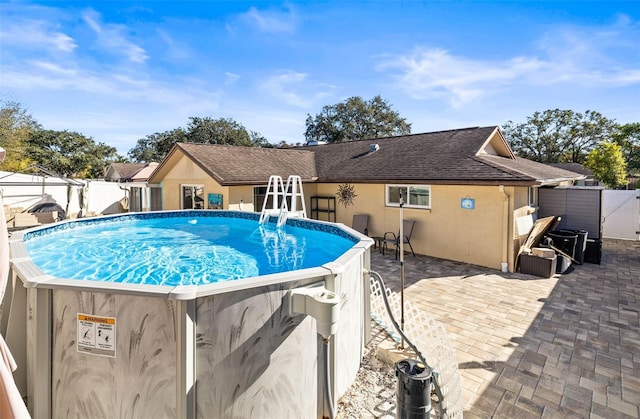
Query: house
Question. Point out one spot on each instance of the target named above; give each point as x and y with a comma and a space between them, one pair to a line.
140, 196
589, 179
122, 172
234, 177
129, 172
464, 188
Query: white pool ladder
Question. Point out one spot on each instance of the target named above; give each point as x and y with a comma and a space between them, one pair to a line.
275, 190
279, 195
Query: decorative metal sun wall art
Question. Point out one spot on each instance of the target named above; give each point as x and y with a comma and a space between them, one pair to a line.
346, 194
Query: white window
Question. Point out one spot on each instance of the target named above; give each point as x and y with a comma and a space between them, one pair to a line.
533, 196
413, 196
259, 195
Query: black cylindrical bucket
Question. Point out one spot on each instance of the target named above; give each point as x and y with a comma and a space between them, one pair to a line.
581, 244
413, 390
563, 264
565, 241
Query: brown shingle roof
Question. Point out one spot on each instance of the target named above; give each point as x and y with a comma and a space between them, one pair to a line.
574, 167
233, 165
447, 157
443, 157
410, 157
542, 173
123, 171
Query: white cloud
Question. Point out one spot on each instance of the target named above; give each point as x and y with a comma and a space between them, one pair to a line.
231, 78
280, 86
591, 56
295, 88
566, 55
434, 73
624, 77
28, 33
114, 38
273, 21
177, 51
53, 68
48, 77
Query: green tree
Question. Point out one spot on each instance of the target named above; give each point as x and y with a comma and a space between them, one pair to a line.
258, 140
558, 136
607, 164
206, 130
355, 119
70, 154
628, 138
154, 147
223, 131
15, 127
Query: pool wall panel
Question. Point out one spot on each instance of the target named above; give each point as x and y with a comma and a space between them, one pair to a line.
253, 358
140, 381
348, 342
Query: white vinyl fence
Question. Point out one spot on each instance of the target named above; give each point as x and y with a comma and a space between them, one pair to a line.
621, 214
23, 191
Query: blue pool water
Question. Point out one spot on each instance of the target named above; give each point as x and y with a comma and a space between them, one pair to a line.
182, 248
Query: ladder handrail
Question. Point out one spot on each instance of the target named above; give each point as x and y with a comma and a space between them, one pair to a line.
274, 188
279, 193
295, 191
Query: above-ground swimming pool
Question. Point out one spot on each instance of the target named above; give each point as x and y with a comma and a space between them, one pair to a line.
182, 248
124, 315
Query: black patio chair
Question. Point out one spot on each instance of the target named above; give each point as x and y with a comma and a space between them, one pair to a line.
391, 238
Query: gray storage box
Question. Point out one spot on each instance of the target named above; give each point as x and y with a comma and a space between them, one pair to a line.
539, 266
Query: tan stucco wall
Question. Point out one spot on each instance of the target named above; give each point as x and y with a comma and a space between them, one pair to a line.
446, 230
239, 198
185, 172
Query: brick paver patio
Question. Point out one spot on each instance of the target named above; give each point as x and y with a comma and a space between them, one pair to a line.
567, 346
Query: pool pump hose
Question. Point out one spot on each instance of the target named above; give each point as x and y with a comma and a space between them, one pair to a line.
422, 359
328, 401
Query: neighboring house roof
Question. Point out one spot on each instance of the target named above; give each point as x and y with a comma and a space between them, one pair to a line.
234, 165
574, 167
143, 174
477, 155
121, 172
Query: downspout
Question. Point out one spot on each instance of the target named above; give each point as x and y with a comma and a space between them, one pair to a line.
504, 266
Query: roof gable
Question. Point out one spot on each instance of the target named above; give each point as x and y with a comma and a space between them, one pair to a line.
496, 145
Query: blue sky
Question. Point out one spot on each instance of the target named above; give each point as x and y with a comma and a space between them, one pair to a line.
117, 71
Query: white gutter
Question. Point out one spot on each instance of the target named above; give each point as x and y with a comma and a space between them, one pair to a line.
546, 182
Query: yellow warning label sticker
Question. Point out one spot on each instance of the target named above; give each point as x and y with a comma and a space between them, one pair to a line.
96, 335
